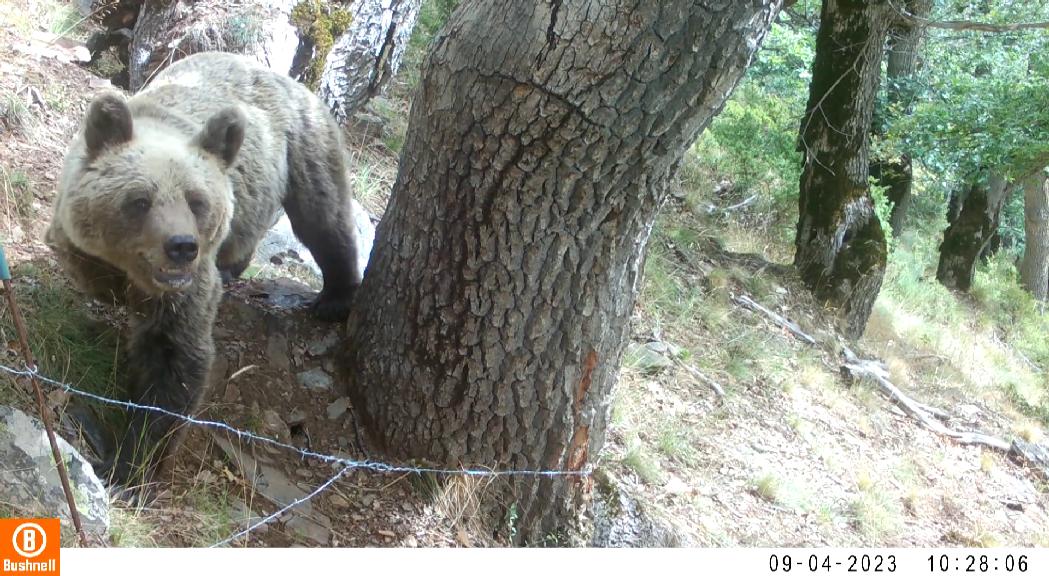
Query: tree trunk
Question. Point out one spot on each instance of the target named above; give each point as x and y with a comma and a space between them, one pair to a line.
169, 30
896, 174
1034, 271
490, 326
367, 55
841, 249
969, 233
344, 50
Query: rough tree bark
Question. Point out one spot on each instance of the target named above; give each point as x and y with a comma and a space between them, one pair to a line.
1034, 270
490, 326
896, 174
841, 249
970, 231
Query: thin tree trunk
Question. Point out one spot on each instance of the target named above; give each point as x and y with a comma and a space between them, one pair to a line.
490, 326
968, 234
896, 174
841, 249
1034, 270
366, 57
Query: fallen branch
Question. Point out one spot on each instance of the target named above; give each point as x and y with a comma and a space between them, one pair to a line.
699, 376
747, 302
1023, 452
712, 209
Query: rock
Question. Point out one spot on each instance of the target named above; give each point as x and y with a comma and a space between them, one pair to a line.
295, 417
620, 521
274, 425
168, 31
321, 345
338, 501
30, 480
276, 487
676, 486
280, 242
231, 394
316, 527
337, 408
277, 351
649, 357
315, 379
243, 517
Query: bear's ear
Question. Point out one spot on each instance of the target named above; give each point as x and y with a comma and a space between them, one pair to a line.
223, 134
108, 123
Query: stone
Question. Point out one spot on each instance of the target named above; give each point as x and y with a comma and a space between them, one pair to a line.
30, 481
315, 379
651, 357
337, 408
322, 344
621, 521
277, 351
274, 425
338, 501
316, 527
280, 242
295, 417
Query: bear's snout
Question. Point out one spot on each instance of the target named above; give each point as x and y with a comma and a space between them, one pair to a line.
181, 249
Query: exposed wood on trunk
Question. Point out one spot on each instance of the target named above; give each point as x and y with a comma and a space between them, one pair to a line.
491, 323
841, 248
1034, 270
968, 234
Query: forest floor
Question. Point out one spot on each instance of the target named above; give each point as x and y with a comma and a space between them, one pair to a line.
791, 455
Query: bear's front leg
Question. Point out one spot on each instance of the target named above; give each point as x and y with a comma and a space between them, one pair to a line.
169, 357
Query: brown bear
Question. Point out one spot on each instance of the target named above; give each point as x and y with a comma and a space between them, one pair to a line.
166, 193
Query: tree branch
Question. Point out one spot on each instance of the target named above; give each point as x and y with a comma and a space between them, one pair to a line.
968, 25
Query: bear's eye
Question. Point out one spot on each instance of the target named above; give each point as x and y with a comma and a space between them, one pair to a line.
138, 206
198, 206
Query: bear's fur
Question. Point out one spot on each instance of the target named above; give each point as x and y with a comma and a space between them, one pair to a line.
166, 193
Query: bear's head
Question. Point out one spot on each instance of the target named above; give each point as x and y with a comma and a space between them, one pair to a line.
148, 195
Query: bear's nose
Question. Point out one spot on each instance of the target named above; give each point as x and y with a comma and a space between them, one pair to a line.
181, 249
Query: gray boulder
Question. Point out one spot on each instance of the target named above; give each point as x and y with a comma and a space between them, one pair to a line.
30, 483
280, 251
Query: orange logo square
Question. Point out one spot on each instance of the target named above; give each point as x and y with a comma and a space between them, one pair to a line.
29, 546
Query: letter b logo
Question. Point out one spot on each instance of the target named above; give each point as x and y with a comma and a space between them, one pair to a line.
29, 540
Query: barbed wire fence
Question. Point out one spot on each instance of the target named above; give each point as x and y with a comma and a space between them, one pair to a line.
345, 464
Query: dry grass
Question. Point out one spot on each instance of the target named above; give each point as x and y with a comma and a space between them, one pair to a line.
462, 502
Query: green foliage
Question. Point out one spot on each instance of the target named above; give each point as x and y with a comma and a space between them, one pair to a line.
69, 345
1019, 317
883, 208
432, 16
983, 98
